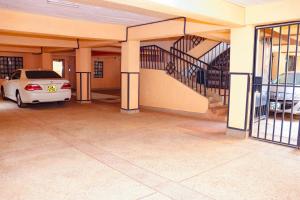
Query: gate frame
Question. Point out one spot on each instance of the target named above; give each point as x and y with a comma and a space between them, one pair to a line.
256, 28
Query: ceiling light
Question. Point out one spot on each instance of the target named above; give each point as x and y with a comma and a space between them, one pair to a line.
63, 3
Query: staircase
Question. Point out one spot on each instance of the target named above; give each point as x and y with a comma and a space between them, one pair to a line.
207, 75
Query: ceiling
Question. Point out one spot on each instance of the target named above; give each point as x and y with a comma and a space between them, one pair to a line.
68, 9
251, 2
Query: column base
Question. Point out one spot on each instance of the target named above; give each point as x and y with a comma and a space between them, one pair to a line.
83, 102
241, 134
132, 111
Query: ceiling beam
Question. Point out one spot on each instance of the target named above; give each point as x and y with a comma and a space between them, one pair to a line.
89, 43
17, 40
213, 11
56, 49
5, 48
21, 22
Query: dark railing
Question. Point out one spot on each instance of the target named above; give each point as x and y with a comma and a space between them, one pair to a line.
176, 64
187, 42
218, 71
193, 72
214, 52
154, 57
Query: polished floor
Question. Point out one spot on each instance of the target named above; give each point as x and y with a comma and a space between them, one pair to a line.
93, 152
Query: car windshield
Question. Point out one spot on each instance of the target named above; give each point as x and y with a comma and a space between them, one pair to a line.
41, 74
289, 79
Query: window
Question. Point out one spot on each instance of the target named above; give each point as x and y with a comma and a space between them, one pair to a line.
98, 69
16, 75
8, 65
58, 67
41, 74
292, 63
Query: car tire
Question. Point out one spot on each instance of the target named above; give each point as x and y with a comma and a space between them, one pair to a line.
3, 94
19, 101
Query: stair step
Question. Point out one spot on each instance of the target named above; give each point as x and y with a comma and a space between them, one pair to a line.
219, 110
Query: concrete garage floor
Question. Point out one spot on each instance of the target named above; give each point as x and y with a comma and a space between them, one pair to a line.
92, 151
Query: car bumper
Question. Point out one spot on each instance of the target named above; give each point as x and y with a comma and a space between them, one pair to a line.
29, 97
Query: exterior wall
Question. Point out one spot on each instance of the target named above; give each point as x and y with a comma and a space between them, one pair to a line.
273, 12
157, 89
241, 66
111, 73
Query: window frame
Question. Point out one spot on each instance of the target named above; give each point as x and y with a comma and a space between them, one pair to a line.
98, 69
9, 65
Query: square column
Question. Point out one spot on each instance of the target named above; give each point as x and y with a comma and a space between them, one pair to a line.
130, 74
47, 62
241, 67
83, 75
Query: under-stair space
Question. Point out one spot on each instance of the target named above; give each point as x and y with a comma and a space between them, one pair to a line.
200, 64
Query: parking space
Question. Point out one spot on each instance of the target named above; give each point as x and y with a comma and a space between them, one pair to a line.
92, 151
279, 129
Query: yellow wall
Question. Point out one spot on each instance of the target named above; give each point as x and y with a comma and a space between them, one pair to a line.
111, 72
241, 61
157, 89
279, 11
41, 24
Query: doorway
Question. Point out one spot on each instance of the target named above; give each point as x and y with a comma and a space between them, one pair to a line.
58, 67
276, 84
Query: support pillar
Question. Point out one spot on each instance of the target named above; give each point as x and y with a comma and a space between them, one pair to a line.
241, 67
83, 75
47, 62
130, 74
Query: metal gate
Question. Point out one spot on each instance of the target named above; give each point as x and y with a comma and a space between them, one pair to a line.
275, 113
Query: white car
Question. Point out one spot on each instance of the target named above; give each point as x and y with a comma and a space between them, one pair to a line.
281, 98
35, 86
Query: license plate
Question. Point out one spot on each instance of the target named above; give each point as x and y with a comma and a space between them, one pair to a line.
52, 88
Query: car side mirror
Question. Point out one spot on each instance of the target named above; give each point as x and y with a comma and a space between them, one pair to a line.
6, 77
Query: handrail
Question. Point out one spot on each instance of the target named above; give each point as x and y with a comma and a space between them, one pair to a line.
188, 55
188, 72
191, 63
187, 42
214, 52
193, 72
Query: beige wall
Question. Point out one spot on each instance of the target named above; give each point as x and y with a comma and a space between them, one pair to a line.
111, 73
241, 61
157, 89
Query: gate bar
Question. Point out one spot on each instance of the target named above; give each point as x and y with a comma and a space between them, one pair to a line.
269, 80
262, 75
285, 79
277, 75
294, 80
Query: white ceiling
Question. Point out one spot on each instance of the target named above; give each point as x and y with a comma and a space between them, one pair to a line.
251, 2
79, 11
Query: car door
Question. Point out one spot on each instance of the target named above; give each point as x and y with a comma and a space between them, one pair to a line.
12, 85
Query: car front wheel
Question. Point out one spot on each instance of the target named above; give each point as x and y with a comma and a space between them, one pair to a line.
19, 101
3, 94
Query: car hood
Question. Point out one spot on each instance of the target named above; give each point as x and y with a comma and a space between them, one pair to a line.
284, 93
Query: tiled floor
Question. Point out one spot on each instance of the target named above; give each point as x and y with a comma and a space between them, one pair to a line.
92, 151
